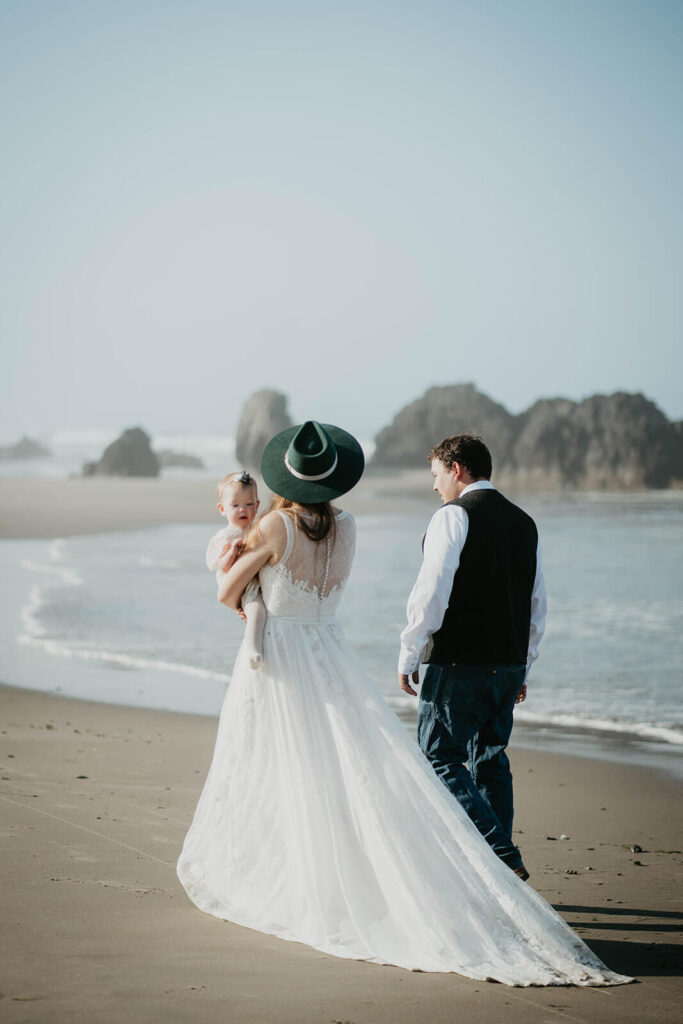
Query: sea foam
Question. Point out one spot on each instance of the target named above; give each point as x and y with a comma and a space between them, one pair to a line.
645, 730
34, 633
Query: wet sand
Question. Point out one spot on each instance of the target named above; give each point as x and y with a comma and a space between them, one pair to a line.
95, 801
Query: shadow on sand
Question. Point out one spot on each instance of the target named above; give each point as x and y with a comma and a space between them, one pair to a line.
639, 959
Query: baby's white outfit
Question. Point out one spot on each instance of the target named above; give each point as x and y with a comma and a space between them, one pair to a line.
213, 553
253, 634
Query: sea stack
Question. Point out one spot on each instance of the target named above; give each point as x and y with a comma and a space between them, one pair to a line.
616, 442
440, 412
264, 414
26, 448
130, 455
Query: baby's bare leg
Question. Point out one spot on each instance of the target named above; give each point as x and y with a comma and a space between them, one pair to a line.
255, 610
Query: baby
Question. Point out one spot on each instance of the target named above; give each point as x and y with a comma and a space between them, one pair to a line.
238, 502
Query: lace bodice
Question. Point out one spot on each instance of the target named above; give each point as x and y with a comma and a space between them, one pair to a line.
308, 580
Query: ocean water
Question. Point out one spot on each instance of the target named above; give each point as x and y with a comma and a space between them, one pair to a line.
132, 618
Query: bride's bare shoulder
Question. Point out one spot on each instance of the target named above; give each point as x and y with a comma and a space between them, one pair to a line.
271, 523
269, 536
271, 532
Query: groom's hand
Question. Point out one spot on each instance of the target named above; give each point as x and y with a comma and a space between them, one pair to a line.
405, 685
521, 695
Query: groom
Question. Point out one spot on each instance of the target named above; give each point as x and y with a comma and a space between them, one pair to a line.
479, 606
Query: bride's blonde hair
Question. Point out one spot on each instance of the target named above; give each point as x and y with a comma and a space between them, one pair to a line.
321, 513
322, 525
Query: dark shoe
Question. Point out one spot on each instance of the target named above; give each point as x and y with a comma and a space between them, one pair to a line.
521, 872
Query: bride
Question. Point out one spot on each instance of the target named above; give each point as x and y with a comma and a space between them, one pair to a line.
321, 821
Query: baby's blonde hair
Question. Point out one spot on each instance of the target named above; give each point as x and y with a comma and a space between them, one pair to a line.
241, 479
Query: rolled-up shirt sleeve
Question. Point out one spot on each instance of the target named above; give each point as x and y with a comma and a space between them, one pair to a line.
444, 541
539, 610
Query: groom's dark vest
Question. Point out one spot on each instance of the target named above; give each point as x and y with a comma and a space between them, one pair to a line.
489, 610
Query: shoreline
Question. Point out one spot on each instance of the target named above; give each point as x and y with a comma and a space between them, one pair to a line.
43, 509
144, 688
35, 509
95, 802
30, 510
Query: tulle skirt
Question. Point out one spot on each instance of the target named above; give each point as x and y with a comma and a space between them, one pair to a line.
322, 822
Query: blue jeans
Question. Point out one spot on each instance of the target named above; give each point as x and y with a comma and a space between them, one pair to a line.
465, 714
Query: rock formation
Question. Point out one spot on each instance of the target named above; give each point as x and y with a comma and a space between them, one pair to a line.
606, 442
264, 414
451, 409
130, 455
169, 458
26, 448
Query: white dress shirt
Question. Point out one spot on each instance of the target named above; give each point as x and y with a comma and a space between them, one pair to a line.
428, 601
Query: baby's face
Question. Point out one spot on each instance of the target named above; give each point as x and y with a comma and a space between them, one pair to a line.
239, 505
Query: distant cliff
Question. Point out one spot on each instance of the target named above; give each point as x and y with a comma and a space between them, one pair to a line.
606, 442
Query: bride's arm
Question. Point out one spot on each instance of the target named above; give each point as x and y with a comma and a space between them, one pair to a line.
269, 547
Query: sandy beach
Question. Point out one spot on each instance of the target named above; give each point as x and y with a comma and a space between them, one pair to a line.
84, 505
96, 799
95, 803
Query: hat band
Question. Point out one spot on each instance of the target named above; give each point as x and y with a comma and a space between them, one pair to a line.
319, 476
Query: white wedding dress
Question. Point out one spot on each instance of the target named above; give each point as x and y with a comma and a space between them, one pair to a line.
322, 822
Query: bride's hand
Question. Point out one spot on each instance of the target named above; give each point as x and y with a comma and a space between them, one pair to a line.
230, 554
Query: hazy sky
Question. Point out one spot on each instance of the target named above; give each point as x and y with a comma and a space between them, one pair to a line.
347, 201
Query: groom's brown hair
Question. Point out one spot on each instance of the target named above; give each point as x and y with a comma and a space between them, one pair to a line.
467, 449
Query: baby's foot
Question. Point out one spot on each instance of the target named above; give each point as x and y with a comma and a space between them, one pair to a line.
255, 659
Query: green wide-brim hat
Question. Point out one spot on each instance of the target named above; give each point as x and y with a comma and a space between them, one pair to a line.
312, 462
